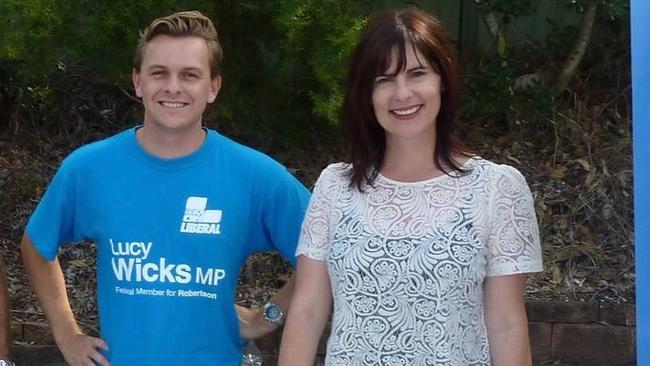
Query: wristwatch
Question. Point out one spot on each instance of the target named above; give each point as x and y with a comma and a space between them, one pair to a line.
272, 313
6, 363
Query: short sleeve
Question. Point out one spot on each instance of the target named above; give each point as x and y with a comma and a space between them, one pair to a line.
513, 244
283, 209
54, 221
315, 235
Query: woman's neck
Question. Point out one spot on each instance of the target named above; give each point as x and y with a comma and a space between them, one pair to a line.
410, 161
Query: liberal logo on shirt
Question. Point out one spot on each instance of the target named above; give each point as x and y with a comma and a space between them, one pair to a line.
198, 220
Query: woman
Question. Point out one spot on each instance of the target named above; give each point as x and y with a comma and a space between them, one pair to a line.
422, 247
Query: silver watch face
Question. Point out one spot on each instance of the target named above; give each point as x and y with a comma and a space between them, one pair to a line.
273, 313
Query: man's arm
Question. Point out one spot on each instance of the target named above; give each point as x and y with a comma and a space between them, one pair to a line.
252, 324
5, 317
47, 280
506, 321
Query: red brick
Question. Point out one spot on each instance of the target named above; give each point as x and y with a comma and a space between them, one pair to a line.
561, 312
617, 314
17, 331
593, 344
540, 341
37, 355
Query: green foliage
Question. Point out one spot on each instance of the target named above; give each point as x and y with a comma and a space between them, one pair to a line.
491, 90
336, 25
43, 35
284, 64
49, 48
515, 86
283, 67
488, 91
609, 9
509, 8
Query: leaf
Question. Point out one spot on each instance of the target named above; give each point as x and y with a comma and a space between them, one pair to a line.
557, 275
607, 211
559, 172
590, 178
587, 235
77, 263
607, 275
510, 157
605, 170
502, 47
585, 164
579, 281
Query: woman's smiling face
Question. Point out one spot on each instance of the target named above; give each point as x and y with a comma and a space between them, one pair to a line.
406, 102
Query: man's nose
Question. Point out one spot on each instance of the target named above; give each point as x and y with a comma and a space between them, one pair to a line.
173, 85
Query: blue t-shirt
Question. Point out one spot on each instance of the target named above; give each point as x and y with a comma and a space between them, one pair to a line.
171, 235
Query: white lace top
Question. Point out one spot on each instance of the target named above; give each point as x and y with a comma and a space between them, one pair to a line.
407, 261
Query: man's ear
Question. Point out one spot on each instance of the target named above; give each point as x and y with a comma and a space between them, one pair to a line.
215, 86
135, 77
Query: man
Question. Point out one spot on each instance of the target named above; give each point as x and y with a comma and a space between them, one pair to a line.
5, 320
175, 210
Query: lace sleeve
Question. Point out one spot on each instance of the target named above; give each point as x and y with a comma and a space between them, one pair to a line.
316, 228
513, 245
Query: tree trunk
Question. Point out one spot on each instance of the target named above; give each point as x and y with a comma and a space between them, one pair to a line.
579, 49
497, 32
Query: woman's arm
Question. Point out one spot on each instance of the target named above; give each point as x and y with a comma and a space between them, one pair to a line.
506, 321
310, 309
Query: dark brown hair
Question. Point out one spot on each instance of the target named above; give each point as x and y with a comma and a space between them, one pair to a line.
371, 57
181, 24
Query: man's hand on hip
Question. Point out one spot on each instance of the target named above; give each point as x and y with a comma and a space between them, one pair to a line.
83, 350
252, 324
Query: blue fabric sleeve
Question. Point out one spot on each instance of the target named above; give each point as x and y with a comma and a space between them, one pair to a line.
283, 209
54, 220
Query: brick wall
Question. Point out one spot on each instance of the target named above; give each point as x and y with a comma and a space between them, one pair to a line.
561, 334
582, 334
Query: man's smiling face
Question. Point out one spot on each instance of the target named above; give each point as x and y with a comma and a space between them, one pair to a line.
174, 83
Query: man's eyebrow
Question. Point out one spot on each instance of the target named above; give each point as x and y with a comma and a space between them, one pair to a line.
193, 69
190, 68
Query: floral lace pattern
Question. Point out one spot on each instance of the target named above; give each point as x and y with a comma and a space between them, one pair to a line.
407, 261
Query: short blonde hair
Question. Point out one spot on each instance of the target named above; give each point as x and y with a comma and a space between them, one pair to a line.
185, 23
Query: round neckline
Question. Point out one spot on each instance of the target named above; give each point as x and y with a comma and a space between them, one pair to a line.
427, 180
175, 163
